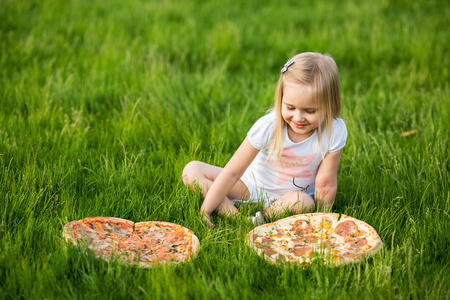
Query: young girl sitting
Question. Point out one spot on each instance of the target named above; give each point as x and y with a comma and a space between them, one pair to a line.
290, 157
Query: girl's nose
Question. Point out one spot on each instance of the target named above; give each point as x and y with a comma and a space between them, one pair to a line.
299, 116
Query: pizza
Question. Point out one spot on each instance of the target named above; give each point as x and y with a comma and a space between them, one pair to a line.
327, 237
145, 244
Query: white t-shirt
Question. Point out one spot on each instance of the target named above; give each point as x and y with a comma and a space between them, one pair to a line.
299, 160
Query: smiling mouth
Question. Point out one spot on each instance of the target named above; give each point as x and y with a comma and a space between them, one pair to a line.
299, 125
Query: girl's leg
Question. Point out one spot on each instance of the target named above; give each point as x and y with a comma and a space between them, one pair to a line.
202, 175
296, 202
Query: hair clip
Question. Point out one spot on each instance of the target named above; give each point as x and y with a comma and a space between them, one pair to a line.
286, 66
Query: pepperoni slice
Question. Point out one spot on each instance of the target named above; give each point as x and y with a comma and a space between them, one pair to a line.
346, 228
302, 227
311, 239
329, 244
307, 239
267, 241
300, 249
269, 252
357, 242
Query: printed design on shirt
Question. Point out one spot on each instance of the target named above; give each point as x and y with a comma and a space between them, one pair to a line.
292, 166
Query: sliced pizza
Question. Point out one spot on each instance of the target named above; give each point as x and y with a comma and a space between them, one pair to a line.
144, 243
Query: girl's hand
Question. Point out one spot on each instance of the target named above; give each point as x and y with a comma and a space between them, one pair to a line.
228, 177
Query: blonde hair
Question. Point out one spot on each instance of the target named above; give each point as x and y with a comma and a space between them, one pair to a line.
320, 73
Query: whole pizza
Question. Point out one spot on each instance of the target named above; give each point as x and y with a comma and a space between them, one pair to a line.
328, 237
145, 243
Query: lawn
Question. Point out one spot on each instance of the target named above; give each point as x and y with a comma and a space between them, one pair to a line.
102, 104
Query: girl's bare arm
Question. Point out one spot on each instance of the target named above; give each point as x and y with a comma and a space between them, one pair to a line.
228, 177
326, 179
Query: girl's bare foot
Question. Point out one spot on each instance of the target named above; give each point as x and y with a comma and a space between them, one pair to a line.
207, 219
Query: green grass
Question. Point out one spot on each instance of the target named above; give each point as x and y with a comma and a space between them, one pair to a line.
104, 102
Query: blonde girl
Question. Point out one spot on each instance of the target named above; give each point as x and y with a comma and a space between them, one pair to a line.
290, 157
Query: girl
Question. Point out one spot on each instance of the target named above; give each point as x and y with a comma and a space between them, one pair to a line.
290, 157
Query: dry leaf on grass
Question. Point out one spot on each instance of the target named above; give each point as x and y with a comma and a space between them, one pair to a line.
408, 133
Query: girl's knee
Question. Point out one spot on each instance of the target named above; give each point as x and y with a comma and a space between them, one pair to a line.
300, 199
293, 202
189, 172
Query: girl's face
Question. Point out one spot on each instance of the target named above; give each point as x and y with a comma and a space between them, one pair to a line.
300, 111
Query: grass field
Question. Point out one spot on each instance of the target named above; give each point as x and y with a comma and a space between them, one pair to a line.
102, 103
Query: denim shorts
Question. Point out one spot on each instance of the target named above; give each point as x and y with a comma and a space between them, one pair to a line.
259, 195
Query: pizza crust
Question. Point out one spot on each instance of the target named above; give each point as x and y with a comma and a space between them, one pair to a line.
305, 238
144, 244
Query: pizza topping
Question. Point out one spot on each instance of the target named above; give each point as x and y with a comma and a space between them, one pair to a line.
301, 249
359, 233
302, 227
367, 247
283, 246
346, 228
357, 242
311, 239
281, 232
330, 230
325, 224
328, 244
269, 252
267, 240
